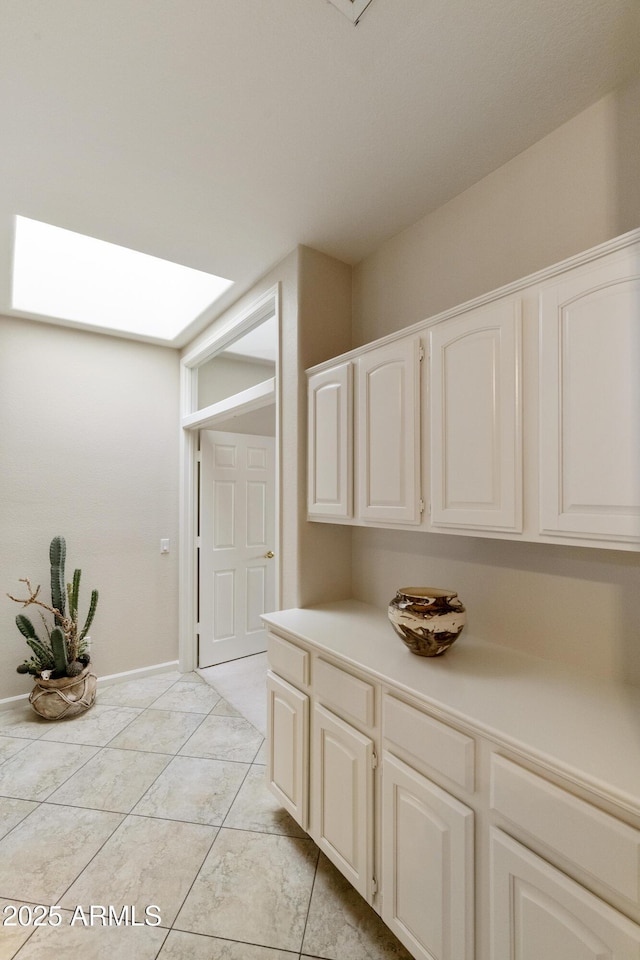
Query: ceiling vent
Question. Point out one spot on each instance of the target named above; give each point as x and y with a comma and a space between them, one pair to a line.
351, 8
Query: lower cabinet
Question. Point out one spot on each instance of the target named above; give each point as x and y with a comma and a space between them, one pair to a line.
467, 847
427, 865
538, 912
288, 747
342, 797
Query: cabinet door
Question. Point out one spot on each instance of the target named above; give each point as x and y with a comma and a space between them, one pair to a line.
590, 401
475, 419
330, 435
342, 798
388, 426
288, 747
427, 865
537, 911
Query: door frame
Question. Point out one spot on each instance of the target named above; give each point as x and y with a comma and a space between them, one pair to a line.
263, 308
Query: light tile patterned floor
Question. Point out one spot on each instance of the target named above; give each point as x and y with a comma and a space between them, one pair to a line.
156, 796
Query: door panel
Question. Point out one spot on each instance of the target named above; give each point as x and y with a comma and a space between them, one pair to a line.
237, 531
342, 803
475, 416
330, 452
288, 746
223, 529
256, 513
427, 873
590, 402
388, 427
223, 604
536, 911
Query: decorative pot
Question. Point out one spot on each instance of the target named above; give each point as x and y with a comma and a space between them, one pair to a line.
66, 697
428, 619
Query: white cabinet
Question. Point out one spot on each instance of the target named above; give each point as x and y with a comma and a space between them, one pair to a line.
556, 881
428, 845
536, 912
320, 767
475, 418
555, 823
342, 797
590, 401
427, 865
497, 825
388, 432
288, 747
330, 442
363, 463
524, 426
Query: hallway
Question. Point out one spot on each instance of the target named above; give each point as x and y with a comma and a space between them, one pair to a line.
155, 797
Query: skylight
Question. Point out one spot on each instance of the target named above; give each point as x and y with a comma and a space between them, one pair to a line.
66, 276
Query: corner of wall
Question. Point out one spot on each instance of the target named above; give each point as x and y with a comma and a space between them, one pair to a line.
324, 329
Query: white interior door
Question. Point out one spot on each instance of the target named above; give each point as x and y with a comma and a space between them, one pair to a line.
237, 577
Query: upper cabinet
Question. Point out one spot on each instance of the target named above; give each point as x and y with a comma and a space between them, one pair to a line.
524, 424
590, 401
388, 430
330, 442
367, 410
474, 432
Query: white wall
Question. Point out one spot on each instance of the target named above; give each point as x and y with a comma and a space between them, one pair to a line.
574, 189
324, 331
570, 191
223, 376
89, 450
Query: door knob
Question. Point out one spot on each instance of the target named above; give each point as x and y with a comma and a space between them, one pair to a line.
269, 555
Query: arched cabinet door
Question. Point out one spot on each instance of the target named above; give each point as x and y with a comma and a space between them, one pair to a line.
330, 443
590, 401
288, 747
427, 865
342, 799
537, 911
475, 419
388, 431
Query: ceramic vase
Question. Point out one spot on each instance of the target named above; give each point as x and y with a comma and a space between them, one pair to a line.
428, 619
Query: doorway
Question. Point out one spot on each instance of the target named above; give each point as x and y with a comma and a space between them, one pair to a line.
210, 628
236, 572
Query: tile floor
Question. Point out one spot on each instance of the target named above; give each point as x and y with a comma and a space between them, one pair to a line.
156, 798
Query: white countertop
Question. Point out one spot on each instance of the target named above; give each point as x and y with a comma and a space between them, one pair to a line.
583, 727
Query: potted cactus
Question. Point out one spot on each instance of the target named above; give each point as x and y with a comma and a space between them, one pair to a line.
64, 683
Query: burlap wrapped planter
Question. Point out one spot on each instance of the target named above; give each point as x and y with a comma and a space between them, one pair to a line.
66, 697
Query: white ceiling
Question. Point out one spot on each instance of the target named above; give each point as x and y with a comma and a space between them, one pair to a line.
221, 133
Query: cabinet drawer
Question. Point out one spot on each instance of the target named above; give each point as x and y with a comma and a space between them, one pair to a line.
587, 838
344, 693
428, 740
288, 660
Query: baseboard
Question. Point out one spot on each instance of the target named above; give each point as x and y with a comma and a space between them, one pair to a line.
9, 702
138, 674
